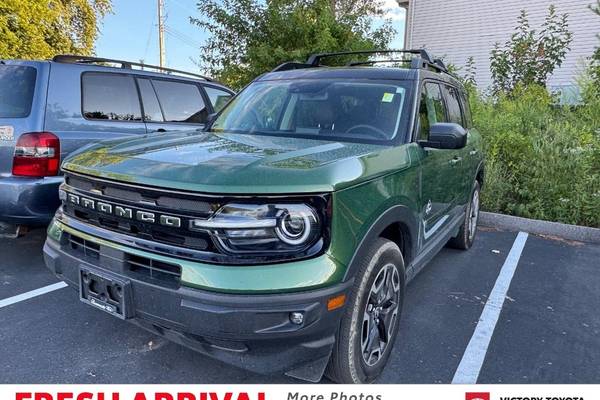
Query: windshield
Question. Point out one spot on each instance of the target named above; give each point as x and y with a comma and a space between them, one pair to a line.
331, 109
17, 85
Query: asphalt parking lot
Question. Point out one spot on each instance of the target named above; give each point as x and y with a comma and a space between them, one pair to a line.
548, 329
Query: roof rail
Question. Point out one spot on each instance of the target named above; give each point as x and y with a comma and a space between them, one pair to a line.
315, 59
423, 60
441, 64
286, 66
370, 62
75, 59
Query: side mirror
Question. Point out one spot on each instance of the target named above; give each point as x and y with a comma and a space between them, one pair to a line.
445, 135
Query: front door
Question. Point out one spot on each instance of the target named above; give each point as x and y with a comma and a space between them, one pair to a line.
440, 169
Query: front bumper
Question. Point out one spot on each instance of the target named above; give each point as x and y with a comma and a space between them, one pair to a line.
28, 201
252, 331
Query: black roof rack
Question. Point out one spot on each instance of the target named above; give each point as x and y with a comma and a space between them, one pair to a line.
441, 64
371, 62
286, 66
422, 60
75, 59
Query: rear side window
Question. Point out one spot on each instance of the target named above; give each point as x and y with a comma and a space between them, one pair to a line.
111, 97
17, 85
181, 102
431, 110
152, 112
453, 102
218, 98
466, 110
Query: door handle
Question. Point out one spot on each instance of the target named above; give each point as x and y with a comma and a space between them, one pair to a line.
473, 152
160, 130
455, 160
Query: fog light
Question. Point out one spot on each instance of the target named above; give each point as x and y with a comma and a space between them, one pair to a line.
297, 318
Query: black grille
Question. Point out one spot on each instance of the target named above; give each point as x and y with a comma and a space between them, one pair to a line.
153, 269
116, 192
141, 268
145, 200
83, 247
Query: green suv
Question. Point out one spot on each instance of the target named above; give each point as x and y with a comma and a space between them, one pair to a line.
281, 238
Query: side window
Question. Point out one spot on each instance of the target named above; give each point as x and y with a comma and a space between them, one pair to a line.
152, 112
181, 102
110, 97
464, 100
431, 110
453, 102
218, 98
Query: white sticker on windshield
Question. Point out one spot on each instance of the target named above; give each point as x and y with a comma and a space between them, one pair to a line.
387, 98
7, 133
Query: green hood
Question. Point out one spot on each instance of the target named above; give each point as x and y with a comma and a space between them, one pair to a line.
236, 163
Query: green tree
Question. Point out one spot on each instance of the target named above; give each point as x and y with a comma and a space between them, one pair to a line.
530, 57
40, 29
250, 37
356, 8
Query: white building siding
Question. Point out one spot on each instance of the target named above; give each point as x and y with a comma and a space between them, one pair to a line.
459, 29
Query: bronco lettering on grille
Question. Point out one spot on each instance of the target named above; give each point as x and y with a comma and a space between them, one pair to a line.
125, 212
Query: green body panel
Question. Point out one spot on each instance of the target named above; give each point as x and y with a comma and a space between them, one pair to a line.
223, 163
292, 276
366, 180
356, 208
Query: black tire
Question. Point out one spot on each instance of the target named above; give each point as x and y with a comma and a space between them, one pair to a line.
347, 363
468, 229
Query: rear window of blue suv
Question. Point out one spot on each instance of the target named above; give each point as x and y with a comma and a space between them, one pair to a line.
18, 86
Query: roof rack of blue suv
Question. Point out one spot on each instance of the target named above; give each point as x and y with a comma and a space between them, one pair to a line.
76, 59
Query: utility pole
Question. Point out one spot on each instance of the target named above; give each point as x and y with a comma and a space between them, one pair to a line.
161, 33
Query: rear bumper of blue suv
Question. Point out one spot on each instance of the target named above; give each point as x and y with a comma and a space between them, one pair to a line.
28, 201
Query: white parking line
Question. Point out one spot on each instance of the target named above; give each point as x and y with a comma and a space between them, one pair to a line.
31, 294
472, 360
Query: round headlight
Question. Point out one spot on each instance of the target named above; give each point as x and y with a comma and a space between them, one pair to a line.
295, 226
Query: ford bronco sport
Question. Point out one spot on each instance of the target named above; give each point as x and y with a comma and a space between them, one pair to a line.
281, 238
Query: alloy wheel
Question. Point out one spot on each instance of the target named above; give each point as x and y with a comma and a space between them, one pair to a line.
380, 314
474, 214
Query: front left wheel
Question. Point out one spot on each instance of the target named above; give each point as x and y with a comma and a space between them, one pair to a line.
370, 322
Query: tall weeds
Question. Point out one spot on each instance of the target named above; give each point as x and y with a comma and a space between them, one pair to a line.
543, 160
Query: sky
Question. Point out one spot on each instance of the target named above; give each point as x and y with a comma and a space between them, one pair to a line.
131, 33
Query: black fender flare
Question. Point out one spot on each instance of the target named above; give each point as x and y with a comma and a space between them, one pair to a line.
395, 214
481, 168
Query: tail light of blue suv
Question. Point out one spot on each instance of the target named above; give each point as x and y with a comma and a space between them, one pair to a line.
37, 154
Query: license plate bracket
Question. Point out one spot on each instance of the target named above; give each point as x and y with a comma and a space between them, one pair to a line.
105, 292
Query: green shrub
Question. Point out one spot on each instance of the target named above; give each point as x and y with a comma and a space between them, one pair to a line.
543, 160
530, 56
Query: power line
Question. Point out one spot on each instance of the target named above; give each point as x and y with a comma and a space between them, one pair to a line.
182, 37
152, 25
170, 34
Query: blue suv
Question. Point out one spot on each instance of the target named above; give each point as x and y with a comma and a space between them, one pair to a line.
48, 109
